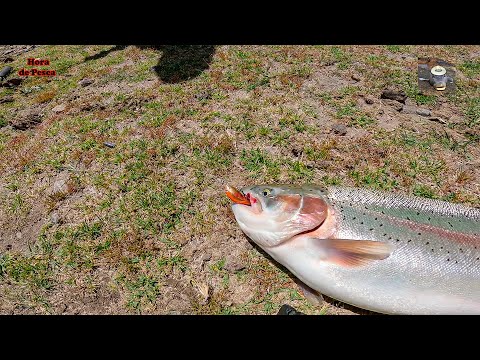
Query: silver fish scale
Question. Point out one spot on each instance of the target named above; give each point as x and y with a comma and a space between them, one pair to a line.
448, 216
369, 197
437, 245
360, 224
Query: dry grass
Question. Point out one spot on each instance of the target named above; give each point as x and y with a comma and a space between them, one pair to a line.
45, 96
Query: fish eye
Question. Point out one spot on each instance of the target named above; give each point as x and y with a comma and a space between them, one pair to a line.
266, 192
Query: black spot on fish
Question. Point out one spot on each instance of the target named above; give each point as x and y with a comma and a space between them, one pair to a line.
441, 247
478, 258
456, 262
428, 242
384, 234
354, 218
448, 259
371, 229
432, 250
361, 223
381, 224
397, 240
429, 219
419, 234
461, 250
375, 218
409, 240
418, 213
408, 218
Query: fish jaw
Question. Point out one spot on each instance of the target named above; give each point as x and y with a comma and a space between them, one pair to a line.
271, 232
236, 196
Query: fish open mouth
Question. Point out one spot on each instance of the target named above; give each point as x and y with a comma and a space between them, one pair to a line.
236, 196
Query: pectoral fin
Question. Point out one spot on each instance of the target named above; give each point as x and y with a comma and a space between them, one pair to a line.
345, 252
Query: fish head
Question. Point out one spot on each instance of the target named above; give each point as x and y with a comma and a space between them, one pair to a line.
272, 214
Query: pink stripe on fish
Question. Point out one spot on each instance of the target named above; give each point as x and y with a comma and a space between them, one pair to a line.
447, 234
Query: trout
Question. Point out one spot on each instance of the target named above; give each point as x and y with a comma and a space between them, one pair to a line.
388, 253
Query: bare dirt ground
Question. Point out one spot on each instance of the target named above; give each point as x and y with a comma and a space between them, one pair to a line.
142, 225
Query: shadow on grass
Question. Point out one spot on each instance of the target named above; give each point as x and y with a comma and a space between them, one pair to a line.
177, 63
104, 53
327, 299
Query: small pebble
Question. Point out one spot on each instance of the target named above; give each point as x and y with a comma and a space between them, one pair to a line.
437, 119
233, 265
109, 144
59, 108
54, 218
5, 71
339, 129
85, 82
6, 99
409, 109
424, 112
394, 104
392, 94
296, 152
15, 81
356, 77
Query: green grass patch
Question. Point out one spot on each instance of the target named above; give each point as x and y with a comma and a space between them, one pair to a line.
292, 121
424, 191
176, 261
33, 272
472, 112
349, 109
394, 48
470, 68
142, 291
259, 164
342, 58
362, 121
379, 178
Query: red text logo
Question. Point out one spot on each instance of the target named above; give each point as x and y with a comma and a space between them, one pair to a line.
37, 72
